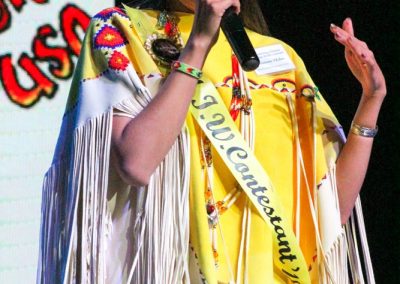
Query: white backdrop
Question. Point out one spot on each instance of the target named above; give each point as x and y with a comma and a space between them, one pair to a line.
39, 40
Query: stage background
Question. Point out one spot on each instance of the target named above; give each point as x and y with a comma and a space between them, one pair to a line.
44, 37
305, 26
29, 120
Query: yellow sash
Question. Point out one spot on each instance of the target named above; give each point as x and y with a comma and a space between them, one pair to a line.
212, 116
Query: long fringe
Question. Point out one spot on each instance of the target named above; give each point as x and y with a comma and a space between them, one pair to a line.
162, 232
76, 222
76, 185
345, 249
354, 252
334, 268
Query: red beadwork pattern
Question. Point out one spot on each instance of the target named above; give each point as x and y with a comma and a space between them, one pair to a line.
176, 65
236, 102
118, 61
253, 85
284, 85
184, 68
109, 37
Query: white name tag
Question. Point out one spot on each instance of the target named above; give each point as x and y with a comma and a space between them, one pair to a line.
273, 59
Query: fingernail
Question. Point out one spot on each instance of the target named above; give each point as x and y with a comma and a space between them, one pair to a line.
333, 26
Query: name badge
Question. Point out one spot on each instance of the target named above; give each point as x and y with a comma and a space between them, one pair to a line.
273, 59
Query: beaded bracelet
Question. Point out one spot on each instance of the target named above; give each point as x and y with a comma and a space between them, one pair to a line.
186, 69
363, 131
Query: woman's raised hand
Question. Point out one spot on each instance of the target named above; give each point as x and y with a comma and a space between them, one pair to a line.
360, 60
352, 163
208, 15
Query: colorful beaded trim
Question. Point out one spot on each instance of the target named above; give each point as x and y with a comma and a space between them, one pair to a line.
187, 69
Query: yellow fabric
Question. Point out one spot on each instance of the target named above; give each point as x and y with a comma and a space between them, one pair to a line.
284, 241
274, 148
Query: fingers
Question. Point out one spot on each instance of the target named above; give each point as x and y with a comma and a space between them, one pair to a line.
361, 50
218, 7
360, 59
348, 26
350, 58
341, 35
354, 47
236, 4
225, 4
208, 19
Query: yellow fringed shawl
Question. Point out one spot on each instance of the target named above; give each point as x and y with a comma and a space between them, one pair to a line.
107, 77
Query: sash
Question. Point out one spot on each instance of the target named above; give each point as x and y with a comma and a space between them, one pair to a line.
214, 119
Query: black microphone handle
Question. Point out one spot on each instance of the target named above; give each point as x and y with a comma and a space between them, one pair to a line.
236, 35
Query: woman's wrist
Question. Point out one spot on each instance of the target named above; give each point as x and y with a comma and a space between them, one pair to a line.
377, 96
368, 111
375, 89
195, 51
373, 101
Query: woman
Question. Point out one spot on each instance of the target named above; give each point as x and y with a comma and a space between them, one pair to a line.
136, 160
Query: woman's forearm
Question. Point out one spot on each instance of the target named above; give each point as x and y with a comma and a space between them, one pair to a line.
353, 160
140, 144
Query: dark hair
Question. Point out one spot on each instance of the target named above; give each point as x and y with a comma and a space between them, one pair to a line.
251, 13
145, 4
252, 16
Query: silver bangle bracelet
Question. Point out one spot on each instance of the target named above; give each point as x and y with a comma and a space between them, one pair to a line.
363, 131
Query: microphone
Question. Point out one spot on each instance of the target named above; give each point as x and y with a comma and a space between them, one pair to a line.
233, 29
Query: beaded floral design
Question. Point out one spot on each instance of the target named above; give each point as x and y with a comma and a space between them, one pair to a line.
109, 37
118, 61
